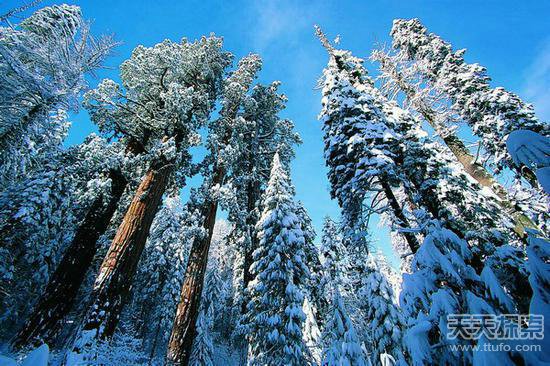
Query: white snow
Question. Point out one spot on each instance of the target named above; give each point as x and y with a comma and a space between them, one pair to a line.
38, 357
543, 177
529, 148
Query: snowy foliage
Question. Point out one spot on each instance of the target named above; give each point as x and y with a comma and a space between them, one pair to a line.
531, 150
312, 333
259, 289
202, 348
38, 217
43, 61
469, 226
275, 308
342, 345
492, 113
383, 318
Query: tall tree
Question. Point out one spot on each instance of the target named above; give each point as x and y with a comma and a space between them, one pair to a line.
342, 345
275, 309
168, 92
43, 61
452, 215
262, 133
492, 113
234, 90
399, 76
357, 147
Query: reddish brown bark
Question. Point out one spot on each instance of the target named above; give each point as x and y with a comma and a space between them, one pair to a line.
64, 284
183, 330
61, 291
112, 285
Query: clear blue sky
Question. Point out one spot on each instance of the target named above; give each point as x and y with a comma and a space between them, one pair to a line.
510, 38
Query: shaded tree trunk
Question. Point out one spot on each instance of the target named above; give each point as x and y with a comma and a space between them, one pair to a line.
411, 239
62, 288
183, 331
61, 291
113, 282
251, 221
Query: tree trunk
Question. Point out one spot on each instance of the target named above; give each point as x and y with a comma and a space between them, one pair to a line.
411, 239
114, 279
183, 330
251, 221
62, 289
63, 286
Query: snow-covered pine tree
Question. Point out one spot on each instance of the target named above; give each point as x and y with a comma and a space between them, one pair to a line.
467, 222
43, 61
262, 133
469, 236
382, 318
202, 352
275, 309
167, 93
465, 231
492, 113
400, 78
234, 89
342, 345
358, 147
333, 256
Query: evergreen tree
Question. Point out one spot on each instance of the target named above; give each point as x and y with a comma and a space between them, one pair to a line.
168, 92
43, 61
262, 133
358, 147
465, 232
275, 309
492, 113
401, 77
202, 347
234, 89
382, 318
341, 343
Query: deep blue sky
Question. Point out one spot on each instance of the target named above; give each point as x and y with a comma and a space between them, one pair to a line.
510, 38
